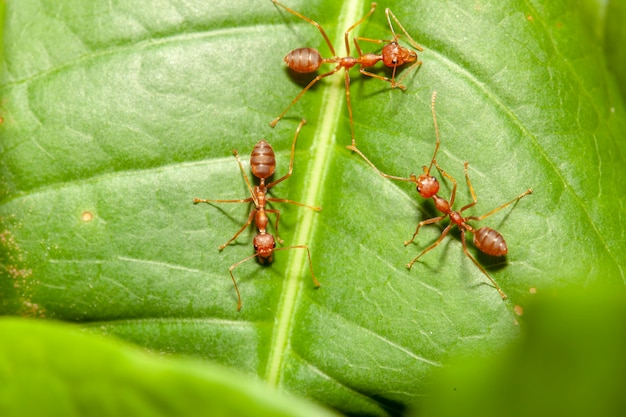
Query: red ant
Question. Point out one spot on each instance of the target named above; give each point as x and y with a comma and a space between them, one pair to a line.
263, 165
486, 239
307, 60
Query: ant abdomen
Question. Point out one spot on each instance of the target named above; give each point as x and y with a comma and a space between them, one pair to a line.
262, 160
304, 60
490, 241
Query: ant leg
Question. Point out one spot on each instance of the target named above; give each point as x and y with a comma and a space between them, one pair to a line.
348, 102
412, 178
295, 203
355, 25
398, 82
502, 294
277, 212
311, 21
433, 98
409, 38
360, 38
525, 193
304, 90
246, 179
201, 200
245, 176
449, 177
245, 200
233, 266
393, 83
378, 41
308, 252
433, 246
248, 223
422, 223
469, 185
293, 152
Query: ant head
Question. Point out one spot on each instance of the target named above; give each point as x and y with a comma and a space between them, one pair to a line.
395, 55
427, 185
408, 55
264, 245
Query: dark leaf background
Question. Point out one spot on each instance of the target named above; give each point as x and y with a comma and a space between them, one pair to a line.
116, 114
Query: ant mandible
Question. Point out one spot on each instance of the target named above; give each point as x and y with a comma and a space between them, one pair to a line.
486, 239
393, 55
263, 165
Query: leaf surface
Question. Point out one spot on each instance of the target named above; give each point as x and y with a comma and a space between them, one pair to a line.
116, 115
551, 364
71, 373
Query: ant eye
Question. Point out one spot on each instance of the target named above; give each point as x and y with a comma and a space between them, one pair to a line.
256, 248
274, 245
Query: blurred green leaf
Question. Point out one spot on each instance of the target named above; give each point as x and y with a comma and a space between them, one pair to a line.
49, 369
117, 114
570, 361
614, 38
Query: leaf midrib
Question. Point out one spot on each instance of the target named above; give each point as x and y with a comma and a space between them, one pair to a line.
324, 138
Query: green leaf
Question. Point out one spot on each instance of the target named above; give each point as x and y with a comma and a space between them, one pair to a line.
70, 373
614, 37
570, 361
116, 115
